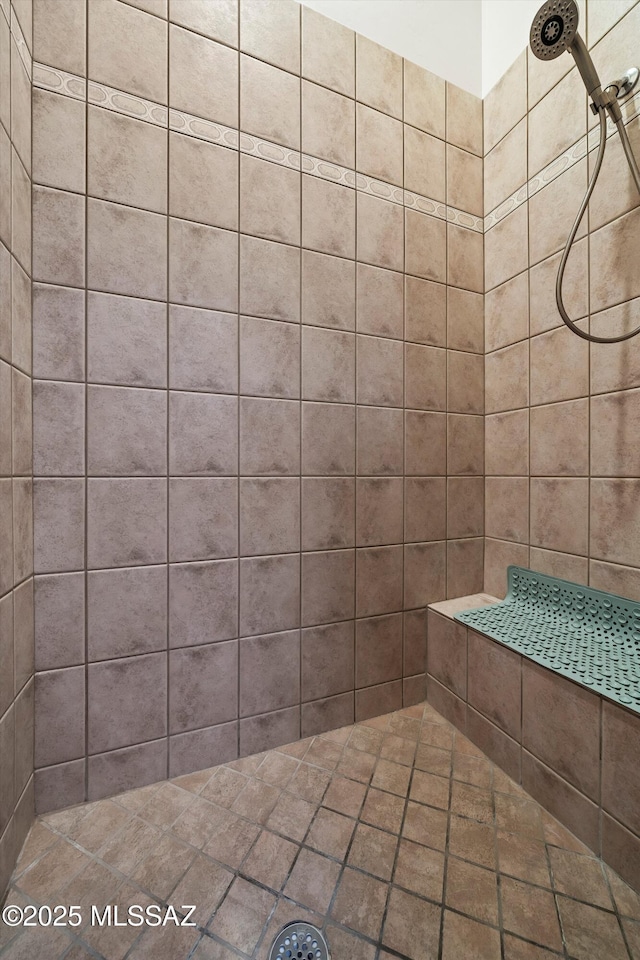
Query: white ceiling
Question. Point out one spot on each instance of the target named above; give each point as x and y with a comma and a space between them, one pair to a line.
468, 42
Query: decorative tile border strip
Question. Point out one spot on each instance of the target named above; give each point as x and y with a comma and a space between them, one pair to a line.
21, 43
57, 81
126, 103
566, 160
203, 129
130, 105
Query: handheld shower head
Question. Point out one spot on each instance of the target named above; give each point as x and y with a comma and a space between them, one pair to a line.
554, 30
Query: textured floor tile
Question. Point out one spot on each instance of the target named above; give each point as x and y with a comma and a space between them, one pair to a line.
165, 944
433, 760
518, 815
162, 869
277, 769
242, 915
580, 877
200, 822
472, 802
437, 735
359, 903
404, 726
392, 777
590, 932
524, 858
412, 926
472, 890
94, 885
232, 840
204, 885
113, 942
270, 860
166, 805
365, 738
373, 851
356, 764
556, 834
256, 801
419, 869
53, 871
530, 912
313, 880
309, 782
285, 912
291, 816
343, 944
101, 823
427, 788
37, 843
462, 937
627, 900
475, 770
345, 796
516, 949
323, 753
473, 841
425, 825
398, 749
384, 810
224, 787
330, 833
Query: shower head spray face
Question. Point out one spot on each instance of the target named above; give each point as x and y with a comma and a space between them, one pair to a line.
554, 28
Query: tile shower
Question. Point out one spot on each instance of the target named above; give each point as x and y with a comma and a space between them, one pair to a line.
297, 374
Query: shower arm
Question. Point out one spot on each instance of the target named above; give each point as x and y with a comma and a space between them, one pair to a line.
601, 104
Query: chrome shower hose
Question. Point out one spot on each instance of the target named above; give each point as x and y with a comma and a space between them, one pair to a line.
583, 206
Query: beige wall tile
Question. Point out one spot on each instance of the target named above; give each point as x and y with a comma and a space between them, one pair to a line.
424, 164
506, 248
544, 313
216, 20
425, 377
507, 508
465, 320
505, 104
552, 211
328, 217
464, 119
465, 444
559, 366
379, 232
380, 379
378, 145
559, 514
464, 181
269, 200
378, 77
507, 378
59, 34
425, 249
498, 555
465, 507
615, 520
203, 265
562, 565
560, 439
203, 182
613, 279
507, 312
424, 99
270, 29
127, 49
548, 138
465, 382
58, 141
328, 291
127, 160
269, 102
328, 124
269, 279
425, 311
505, 167
379, 302
328, 513
465, 258
328, 52
614, 366
203, 77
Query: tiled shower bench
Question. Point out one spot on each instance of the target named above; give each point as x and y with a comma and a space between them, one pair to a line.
571, 747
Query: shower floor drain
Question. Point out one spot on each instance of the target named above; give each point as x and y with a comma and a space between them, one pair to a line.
299, 941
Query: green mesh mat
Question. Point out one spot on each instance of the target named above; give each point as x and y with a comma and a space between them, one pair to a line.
587, 635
